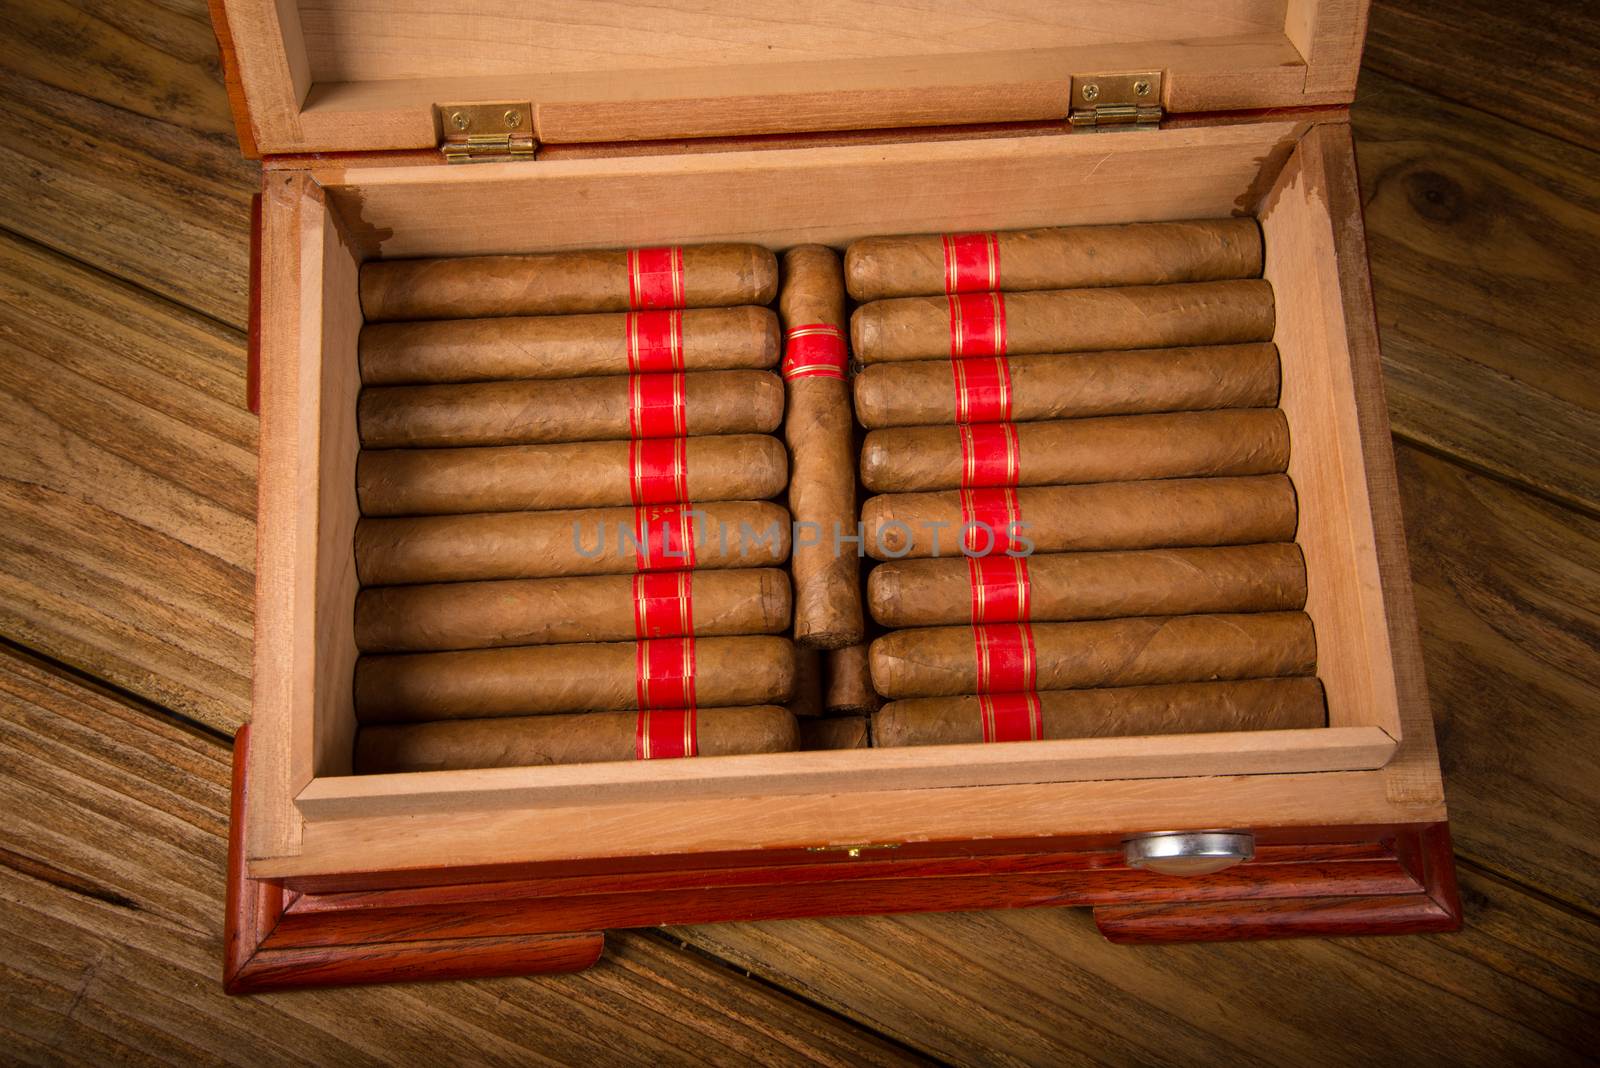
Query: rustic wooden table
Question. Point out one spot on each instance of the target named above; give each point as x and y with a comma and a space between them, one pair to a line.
127, 536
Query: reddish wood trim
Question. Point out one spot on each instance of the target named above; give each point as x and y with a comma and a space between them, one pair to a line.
255, 908
252, 370
230, 78
1436, 906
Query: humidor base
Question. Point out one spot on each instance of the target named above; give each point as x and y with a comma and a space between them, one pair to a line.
381, 927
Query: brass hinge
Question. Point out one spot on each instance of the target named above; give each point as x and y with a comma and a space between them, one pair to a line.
486, 132
1106, 102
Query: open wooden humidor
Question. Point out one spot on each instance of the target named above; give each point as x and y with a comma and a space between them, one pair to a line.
341, 878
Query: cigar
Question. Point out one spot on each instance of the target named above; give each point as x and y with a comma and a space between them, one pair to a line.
806, 701
590, 541
834, 732
1063, 320
922, 393
591, 474
567, 346
946, 661
584, 738
589, 677
1149, 514
1062, 587
1065, 257
572, 409
551, 611
564, 283
1124, 711
1244, 441
848, 678
819, 429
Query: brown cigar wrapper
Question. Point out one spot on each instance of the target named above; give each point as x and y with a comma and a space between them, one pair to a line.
1127, 711
1071, 586
922, 393
599, 608
834, 732
574, 409
591, 474
538, 679
585, 738
512, 545
1149, 514
848, 675
555, 346
806, 701
555, 283
1246, 441
1076, 320
819, 429
1065, 257
941, 661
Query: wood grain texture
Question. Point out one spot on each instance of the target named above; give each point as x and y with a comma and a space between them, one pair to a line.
148, 201
111, 874
127, 483
1482, 236
1533, 62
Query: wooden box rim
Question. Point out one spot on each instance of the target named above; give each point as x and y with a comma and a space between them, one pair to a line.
318, 76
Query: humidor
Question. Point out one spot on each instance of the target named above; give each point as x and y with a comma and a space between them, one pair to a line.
785, 124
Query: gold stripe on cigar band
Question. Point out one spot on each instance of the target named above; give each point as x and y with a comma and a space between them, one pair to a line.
991, 245
950, 270
795, 372
969, 453
819, 330
1019, 576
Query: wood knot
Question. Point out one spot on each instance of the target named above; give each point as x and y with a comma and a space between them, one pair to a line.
1435, 197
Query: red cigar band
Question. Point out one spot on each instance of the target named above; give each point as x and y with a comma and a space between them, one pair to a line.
990, 455
971, 262
977, 325
663, 733
655, 277
664, 534
1000, 589
663, 604
664, 673
815, 350
656, 406
658, 470
655, 341
983, 389
1011, 717
1006, 659
990, 521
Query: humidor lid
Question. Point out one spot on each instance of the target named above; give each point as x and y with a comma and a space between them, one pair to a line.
371, 75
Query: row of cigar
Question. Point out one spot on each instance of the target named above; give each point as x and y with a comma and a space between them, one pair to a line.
569, 549
1082, 508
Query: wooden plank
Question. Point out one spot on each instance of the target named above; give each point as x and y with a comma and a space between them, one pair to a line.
1482, 238
110, 933
1508, 590
1532, 62
1041, 986
148, 201
127, 479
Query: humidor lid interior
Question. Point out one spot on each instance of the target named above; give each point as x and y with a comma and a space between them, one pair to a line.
366, 75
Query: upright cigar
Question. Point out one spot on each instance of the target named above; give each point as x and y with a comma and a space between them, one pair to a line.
591, 474
1148, 514
567, 346
1009, 657
1056, 258
1063, 320
819, 429
806, 701
1062, 587
1126, 711
599, 608
573, 409
834, 732
536, 679
849, 682
592, 541
922, 393
585, 738
563, 283
1246, 441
